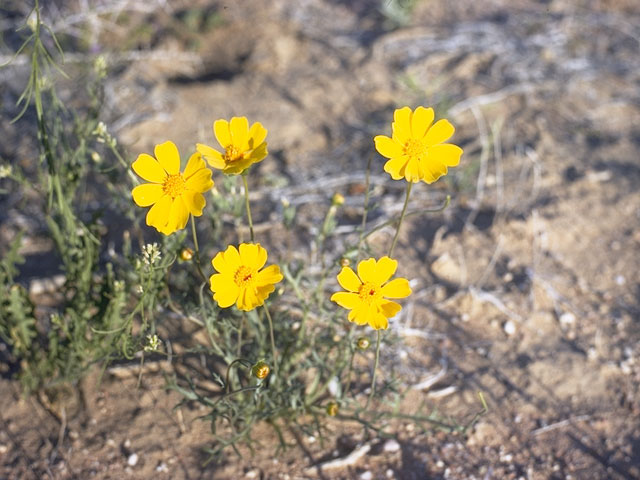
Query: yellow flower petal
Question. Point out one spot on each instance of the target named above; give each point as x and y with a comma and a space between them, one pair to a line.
385, 268
239, 127
378, 321
349, 280
446, 153
359, 314
158, 215
147, 194
346, 300
367, 270
396, 167
433, 170
259, 153
222, 132
387, 147
396, 288
247, 300
257, 134
200, 181
220, 264
402, 121
232, 257
263, 292
194, 201
440, 132
168, 156
412, 170
249, 254
389, 309
178, 215
269, 275
225, 290
194, 164
257, 254
211, 155
148, 168
421, 121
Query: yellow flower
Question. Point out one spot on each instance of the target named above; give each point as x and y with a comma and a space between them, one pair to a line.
174, 195
366, 292
243, 146
260, 370
416, 149
240, 279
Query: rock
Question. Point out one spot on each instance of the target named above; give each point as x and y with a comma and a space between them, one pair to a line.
391, 446
132, 461
509, 327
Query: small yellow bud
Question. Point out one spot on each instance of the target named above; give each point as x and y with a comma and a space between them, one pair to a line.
363, 343
332, 409
260, 370
186, 254
337, 199
344, 262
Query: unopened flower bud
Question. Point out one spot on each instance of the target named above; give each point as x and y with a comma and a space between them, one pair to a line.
260, 370
363, 343
332, 409
186, 254
337, 199
344, 262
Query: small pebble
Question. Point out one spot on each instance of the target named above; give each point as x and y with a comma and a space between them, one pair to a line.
366, 475
567, 318
162, 468
132, 460
620, 280
252, 473
509, 327
391, 446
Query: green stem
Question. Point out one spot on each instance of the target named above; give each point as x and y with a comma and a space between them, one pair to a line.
404, 210
240, 333
197, 248
246, 204
375, 369
227, 384
367, 194
273, 342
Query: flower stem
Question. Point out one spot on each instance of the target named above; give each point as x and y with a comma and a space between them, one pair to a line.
365, 213
273, 342
197, 249
246, 204
244, 315
404, 210
375, 368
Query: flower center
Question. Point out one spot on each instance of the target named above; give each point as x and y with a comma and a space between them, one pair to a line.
244, 276
232, 154
368, 292
414, 148
174, 185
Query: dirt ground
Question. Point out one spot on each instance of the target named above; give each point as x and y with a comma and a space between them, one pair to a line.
526, 288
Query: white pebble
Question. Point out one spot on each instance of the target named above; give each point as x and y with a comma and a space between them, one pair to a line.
391, 446
567, 318
162, 468
132, 460
366, 475
620, 280
509, 327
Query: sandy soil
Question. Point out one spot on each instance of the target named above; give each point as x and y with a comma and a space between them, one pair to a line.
526, 288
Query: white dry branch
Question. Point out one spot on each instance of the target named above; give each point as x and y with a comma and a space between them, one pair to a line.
342, 462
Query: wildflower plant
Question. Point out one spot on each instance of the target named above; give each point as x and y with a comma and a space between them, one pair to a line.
286, 343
